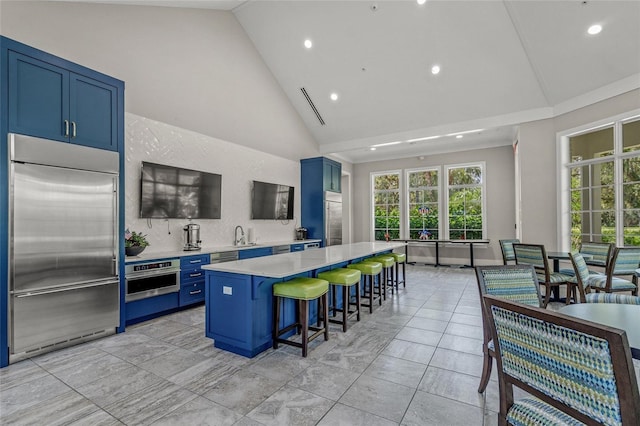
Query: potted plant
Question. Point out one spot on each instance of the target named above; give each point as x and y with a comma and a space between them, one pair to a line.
134, 243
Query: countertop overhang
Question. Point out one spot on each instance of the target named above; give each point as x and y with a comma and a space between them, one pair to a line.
288, 264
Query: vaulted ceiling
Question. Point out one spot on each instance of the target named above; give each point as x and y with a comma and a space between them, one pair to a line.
501, 63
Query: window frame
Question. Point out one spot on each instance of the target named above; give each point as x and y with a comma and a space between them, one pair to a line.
407, 209
445, 195
372, 198
565, 165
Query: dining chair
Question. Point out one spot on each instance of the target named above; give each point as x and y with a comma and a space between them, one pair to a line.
506, 246
624, 263
580, 280
595, 254
623, 299
536, 255
512, 282
576, 371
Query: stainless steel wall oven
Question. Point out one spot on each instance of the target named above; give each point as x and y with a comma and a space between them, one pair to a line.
150, 279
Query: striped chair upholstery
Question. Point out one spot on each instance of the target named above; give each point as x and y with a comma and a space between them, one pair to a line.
624, 299
536, 255
506, 246
600, 253
624, 262
580, 367
580, 280
513, 282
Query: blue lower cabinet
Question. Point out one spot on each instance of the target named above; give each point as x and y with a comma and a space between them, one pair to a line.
239, 312
151, 307
297, 247
255, 252
191, 293
192, 286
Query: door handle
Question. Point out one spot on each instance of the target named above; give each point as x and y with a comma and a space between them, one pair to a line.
73, 129
66, 128
60, 290
195, 292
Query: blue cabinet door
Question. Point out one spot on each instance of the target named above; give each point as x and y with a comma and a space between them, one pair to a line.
38, 98
256, 252
93, 113
50, 102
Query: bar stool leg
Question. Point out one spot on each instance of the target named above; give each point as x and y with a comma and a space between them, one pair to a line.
325, 308
304, 319
276, 321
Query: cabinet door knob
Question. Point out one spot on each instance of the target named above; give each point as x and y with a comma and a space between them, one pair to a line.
73, 127
66, 128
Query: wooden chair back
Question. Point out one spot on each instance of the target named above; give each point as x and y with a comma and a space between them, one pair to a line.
506, 246
580, 368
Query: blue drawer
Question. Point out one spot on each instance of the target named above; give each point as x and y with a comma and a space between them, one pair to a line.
193, 263
297, 247
191, 293
193, 275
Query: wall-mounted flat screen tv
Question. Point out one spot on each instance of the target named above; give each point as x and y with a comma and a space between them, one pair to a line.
168, 192
271, 201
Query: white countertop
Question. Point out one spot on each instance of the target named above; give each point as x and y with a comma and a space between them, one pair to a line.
214, 249
287, 264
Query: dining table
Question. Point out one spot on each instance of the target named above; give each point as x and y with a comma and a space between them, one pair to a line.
624, 317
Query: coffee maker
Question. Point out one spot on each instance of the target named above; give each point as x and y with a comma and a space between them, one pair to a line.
192, 237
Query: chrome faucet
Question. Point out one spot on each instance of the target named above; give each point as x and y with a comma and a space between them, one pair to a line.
239, 241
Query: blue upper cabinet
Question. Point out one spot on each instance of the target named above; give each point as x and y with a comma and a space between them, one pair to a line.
317, 175
332, 175
53, 102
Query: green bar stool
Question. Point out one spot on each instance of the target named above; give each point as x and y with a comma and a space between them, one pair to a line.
369, 270
302, 290
401, 259
388, 262
346, 278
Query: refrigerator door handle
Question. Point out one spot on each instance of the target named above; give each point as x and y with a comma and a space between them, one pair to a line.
66, 288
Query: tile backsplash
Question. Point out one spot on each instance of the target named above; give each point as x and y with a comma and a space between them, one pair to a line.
156, 142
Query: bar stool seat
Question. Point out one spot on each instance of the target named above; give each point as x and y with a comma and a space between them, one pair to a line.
302, 290
388, 263
369, 270
346, 278
401, 259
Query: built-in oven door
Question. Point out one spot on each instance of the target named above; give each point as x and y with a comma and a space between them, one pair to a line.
151, 283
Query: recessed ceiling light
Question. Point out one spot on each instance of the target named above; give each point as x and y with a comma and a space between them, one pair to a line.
435, 70
421, 2
387, 143
373, 148
308, 44
459, 136
333, 96
595, 29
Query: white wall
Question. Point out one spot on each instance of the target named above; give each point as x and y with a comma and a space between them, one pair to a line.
195, 69
538, 165
149, 140
500, 198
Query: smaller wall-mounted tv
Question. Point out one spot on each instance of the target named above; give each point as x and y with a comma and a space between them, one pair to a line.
271, 201
168, 192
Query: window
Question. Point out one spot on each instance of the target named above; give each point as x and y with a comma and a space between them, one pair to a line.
465, 202
386, 205
604, 184
424, 203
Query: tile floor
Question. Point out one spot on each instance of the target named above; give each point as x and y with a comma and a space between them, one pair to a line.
415, 361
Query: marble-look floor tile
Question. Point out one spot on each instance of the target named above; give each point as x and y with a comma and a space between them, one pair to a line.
203, 376
460, 362
469, 310
342, 415
191, 317
28, 394
81, 374
461, 344
60, 410
324, 380
428, 324
246, 421
432, 410
291, 406
69, 357
20, 373
162, 329
411, 301
200, 411
172, 362
464, 330
466, 319
118, 385
396, 370
416, 335
97, 418
280, 366
449, 384
379, 397
243, 391
433, 314
410, 351
150, 404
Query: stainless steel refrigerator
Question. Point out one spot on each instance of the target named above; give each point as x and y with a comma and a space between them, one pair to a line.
333, 218
63, 245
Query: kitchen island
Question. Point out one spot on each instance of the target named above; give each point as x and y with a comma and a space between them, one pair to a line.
238, 297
